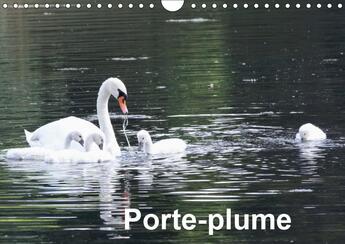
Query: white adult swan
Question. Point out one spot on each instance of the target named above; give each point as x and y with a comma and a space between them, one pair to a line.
166, 146
310, 132
90, 155
52, 135
39, 153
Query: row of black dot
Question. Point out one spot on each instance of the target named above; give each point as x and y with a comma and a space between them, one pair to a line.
151, 5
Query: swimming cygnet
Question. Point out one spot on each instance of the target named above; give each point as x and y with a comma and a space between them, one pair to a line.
39, 153
310, 132
166, 146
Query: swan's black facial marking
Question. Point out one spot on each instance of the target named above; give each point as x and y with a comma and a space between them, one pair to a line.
122, 94
122, 97
101, 145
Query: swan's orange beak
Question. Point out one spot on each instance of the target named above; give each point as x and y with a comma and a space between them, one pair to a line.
122, 104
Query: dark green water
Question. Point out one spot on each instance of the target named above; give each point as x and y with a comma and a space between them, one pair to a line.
235, 85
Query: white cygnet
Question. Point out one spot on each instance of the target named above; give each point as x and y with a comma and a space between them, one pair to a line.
166, 146
310, 132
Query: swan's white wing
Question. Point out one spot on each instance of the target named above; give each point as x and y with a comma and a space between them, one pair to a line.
73, 156
28, 153
32, 142
53, 135
169, 146
65, 156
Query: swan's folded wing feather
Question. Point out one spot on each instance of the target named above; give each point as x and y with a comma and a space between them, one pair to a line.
32, 140
73, 156
53, 135
167, 146
27, 153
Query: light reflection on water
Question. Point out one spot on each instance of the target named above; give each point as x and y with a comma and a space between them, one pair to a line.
232, 86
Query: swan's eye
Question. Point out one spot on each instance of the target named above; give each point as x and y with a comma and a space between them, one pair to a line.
122, 94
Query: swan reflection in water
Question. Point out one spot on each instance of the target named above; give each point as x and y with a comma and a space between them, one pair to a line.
310, 152
106, 187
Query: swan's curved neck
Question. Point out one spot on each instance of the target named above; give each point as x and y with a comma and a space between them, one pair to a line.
148, 145
104, 119
88, 144
68, 142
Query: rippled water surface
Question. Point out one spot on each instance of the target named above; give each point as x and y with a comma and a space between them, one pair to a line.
236, 85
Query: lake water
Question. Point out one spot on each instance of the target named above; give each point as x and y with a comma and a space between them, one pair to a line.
236, 85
